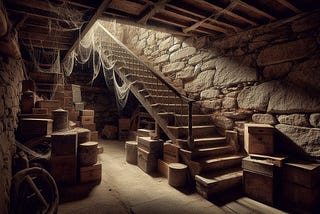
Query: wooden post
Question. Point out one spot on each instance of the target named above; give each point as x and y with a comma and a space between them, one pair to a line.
190, 137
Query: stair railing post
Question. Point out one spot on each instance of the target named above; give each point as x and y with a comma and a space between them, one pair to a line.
190, 135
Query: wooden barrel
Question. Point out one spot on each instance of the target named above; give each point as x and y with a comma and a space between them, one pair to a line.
84, 135
177, 175
88, 153
60, 120
131, 152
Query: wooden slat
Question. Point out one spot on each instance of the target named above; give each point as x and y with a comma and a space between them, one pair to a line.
93, 19
151, 10
77, 4
35, 4
254, 9
129, 7
50, 30
44, 37
289, 5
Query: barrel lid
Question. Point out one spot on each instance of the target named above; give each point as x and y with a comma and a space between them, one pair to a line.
59, 110
89, 143
28, 92
177, 166
65, 133
132, 142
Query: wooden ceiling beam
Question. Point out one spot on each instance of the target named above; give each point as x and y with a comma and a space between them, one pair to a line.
289, 5
151, 10
44, 37
192, 13
227, 12
77, 4
34, 4
88, 26
254, 9
50, 30
45, 45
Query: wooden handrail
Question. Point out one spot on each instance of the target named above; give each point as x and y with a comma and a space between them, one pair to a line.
183, 97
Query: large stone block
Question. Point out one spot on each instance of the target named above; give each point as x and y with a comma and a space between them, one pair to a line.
256, 97
222, 121
166, 44
232, 71
209, 65
286, 52
162, 35
151, 40
161, 59
188, 73
294, 119
306, 138
174, 48
264, 118
209, 94
173, 67
211, 104
229, 103
306, 74
196, 59
315, 120
277, 71
182, 53
203, 81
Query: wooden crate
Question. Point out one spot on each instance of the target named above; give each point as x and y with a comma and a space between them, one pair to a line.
64, 169
261, 180
90, 173
91, 126
67, 93
39, 111
259, 139
123, 134
76, 93
87, 112
146, 161
64, 143
151, 146
35, 126
78, 106
50, 104
94, 135
163, 168
67, 102
86, 120
170, 153
124, 123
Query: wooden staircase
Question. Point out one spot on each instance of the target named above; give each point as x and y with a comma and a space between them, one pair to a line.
212, 161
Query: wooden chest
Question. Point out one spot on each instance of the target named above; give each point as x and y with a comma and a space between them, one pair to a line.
170, 153
64, 143
34, 126
151, 146
259, 139
87, 112
261, 180
90, 173
86, 120
146, 161
91, 126
64, 169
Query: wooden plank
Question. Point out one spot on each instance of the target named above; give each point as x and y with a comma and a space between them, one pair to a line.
257, 206
152, 10
77, 4
276, 160
88, 26
129, 7
289, 5
254, 9
44, 37
45, 44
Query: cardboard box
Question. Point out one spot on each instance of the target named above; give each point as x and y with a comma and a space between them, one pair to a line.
40, 111
259, 139
87, 112
64, 169
91, 126
86, 120
64, 143
146, 161
35, 126
90, 173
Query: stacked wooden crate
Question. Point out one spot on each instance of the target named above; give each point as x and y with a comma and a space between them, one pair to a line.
149, 151
124, 128
170, 155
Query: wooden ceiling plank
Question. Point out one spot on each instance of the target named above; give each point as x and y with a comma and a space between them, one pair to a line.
88, 26
41, 5
254, 9
152, 10
188, 11
227, 12
289, 5
215, 28
77, 4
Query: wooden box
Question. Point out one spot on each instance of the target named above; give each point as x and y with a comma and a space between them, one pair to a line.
261, 180
64, 169
64, 143
58, 95
67, 93
124, 123
146, 161
170, 153
68, 102
35, 126
123, 134
50, 104
90, 173
94, 135
163, 168
87, 113
78, 106
91, 126
39, 111
151, 146
76, 93
86, 120
259, 139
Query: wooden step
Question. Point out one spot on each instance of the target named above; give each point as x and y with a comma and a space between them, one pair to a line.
209, 184
217, 163
209, 141
144, 132
212, 151
145, 78
166, 92
148, 85
174, 108
197, 119
164, 99
181, 132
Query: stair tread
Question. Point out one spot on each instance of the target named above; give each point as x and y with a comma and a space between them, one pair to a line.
209, 160
209, 139
212, 148
146, 130
220, 175
193, 127
170, 104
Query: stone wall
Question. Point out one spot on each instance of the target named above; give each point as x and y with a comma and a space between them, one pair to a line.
11, 76
265, 75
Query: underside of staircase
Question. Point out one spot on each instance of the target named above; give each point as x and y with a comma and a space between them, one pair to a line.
213, 162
